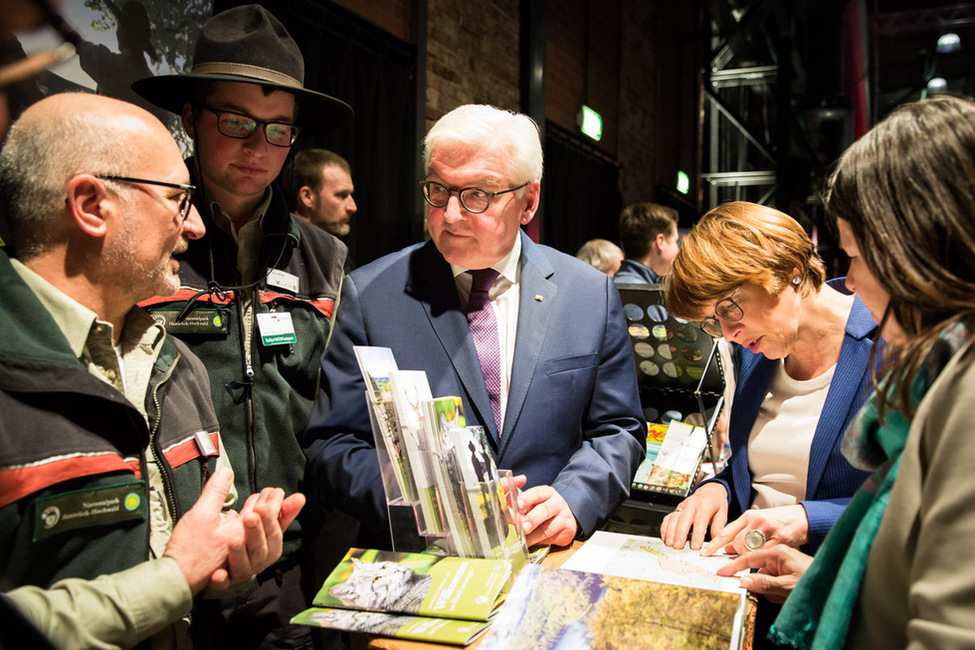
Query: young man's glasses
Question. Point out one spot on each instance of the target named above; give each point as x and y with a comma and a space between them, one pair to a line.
473, 199
184, 199
726, 309
241, 127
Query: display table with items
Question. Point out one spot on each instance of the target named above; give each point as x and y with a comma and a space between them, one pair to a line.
461, 574
681, 382
613, 591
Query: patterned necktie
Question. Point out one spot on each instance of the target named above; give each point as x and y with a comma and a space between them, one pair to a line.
484, 330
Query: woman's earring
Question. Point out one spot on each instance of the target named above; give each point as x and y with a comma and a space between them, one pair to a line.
796, 280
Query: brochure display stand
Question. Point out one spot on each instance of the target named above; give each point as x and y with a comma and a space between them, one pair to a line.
681, 385
444, 493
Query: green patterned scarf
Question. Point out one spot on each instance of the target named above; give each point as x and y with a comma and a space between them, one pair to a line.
817, 613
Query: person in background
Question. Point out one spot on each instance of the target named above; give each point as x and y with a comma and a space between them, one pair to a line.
601, 254
319, 186
320, 190
257, 292
558, 399
648, 236
893, 572
108, 524
750, 274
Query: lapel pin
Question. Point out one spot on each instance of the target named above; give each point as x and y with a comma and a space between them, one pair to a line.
538, 298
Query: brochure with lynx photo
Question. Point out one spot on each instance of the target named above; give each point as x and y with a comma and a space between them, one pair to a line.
416, 583
448, 631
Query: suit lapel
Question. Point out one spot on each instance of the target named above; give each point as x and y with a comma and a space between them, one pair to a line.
749, 394
431, 282
847, 384
535, 308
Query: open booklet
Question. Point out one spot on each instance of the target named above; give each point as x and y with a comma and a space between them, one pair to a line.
623, 591
414, 596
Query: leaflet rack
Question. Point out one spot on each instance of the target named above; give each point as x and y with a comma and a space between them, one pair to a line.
680, 377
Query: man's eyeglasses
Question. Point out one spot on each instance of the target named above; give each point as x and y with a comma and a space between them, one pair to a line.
241, 127
473, 199
726, 309
184, 199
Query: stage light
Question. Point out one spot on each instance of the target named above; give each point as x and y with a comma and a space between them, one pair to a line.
937, 85
948, 43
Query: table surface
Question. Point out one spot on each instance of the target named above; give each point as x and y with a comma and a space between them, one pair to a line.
556, 557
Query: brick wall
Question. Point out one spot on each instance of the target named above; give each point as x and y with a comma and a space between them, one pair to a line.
603, 53
582, 64
472, 55
638, 91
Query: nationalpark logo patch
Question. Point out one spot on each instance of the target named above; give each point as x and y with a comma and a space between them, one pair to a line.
84, 508
132, 502
200, 320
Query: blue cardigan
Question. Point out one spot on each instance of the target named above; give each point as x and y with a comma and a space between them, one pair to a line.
830, 480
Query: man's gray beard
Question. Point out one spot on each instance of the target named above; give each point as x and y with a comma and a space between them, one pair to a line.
137, 277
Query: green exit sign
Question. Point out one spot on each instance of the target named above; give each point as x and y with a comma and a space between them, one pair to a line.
591, 123
683, 183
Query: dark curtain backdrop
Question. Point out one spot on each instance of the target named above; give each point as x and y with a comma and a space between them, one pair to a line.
375, 73
581, 192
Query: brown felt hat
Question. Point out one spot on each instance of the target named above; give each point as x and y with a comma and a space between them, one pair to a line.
247, 44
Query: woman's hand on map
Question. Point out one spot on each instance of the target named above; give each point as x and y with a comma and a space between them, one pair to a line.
708, 506
779, 569
783, 525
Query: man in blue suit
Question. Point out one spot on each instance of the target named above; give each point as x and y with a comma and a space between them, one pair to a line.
565, 412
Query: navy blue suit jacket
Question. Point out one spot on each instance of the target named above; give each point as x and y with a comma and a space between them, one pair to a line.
830, 479
573, 418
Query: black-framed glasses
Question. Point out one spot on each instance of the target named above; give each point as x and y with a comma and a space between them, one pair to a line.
184, 200
726, 309
241, 127
473, 199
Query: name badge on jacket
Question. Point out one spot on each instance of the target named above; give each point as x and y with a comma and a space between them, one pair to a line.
276, 328
201, 320
282, 280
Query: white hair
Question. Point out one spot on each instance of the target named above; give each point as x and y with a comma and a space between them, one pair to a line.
601, 254
487, 127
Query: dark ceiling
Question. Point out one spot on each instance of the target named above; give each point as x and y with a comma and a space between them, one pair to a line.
903, 56
898, 42
783, 77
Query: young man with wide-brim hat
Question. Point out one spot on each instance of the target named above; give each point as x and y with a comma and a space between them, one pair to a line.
257, 293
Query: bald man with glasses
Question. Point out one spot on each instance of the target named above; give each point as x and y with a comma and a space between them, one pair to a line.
116, 496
